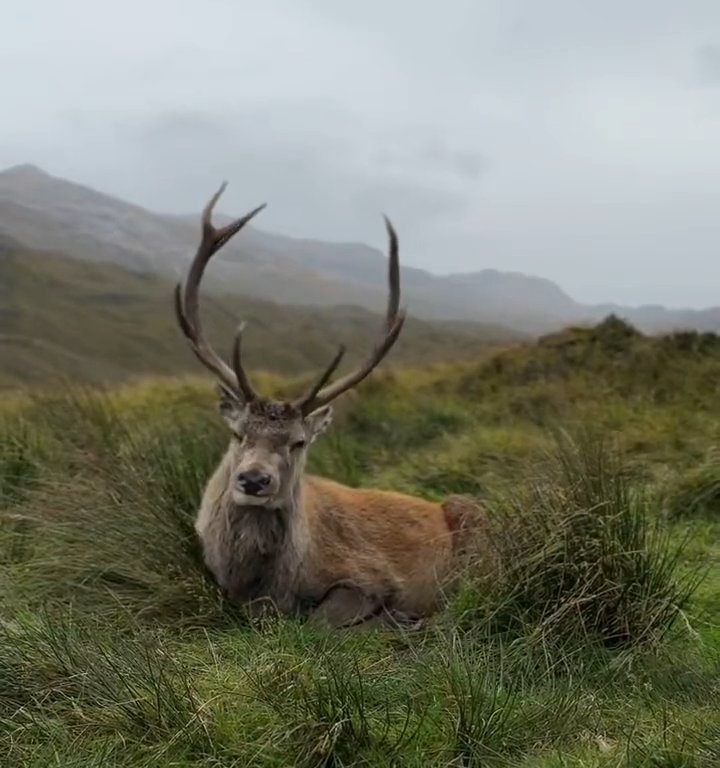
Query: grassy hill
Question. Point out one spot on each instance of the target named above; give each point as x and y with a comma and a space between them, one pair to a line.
587, 635
98, 321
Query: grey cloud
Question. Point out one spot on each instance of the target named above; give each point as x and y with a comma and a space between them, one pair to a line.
317, 182
560, 138
707, 64
469, 164
466, 163
409, 202
434, 157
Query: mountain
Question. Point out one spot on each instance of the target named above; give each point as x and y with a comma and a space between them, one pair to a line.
99, 321
47, 213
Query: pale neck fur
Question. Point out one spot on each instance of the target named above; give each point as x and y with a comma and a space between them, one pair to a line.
248, 546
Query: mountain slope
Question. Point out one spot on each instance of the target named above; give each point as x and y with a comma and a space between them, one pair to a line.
99, 321
49, 213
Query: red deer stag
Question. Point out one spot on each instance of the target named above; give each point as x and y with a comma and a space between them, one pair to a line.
307, 544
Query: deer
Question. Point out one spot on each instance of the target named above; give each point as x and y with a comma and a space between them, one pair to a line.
307, 545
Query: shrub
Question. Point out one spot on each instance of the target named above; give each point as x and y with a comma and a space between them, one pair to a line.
696, 492
582, 556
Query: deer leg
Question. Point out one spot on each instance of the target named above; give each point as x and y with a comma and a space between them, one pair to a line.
391, 618
346, 605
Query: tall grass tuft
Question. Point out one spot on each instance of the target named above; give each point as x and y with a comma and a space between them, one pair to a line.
493, 715
582, 556
95, 680
112, 529
697, 491
335, 702
22, 455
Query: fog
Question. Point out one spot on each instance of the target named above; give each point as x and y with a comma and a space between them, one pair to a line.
575, 141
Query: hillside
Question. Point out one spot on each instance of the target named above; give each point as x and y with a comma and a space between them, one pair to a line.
585, 633
96, 321
48, 213
611, 357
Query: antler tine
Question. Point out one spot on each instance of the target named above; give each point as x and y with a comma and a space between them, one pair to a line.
393, 274
187, 303
306, 400
201, 350
394, 319
243, 382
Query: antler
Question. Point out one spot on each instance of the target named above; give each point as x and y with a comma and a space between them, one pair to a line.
187, 305
188, 315
316, 396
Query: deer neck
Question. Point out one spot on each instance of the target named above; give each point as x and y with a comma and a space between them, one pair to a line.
262, 550
272, 531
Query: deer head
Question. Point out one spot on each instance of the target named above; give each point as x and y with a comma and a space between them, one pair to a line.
270, 438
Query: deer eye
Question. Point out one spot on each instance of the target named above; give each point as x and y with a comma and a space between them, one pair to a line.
298, 444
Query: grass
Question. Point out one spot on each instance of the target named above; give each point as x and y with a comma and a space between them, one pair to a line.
586, 634
696, 492
582, 556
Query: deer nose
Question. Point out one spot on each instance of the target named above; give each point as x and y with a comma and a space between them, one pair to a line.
253, 482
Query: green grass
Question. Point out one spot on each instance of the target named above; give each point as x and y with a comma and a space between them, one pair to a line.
582, 556
586, 632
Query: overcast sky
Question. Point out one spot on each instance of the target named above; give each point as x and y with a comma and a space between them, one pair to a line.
579, 141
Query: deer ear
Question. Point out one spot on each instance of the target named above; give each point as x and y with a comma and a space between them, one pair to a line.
228, 404
318, 421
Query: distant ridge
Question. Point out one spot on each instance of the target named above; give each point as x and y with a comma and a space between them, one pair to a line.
48, 213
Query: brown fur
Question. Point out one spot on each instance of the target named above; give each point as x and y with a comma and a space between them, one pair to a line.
366, 550
305, 543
